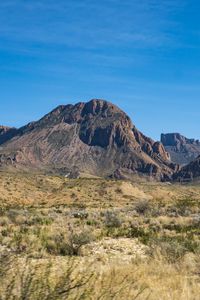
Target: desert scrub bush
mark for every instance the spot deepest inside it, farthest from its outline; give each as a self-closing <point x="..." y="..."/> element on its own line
<point x="196" y="220"/>
<point x="155" y="225"/>
<point x="39" y="220"/>
<point x="92" y="222"/>
<point x="64" y="244"/>
<point x="183" y="228"/>
<point x="185" y="206"/>
<point x="4" y="221"/>
<point x="142" y="207"/>
<point x="80" y="214"/>
<point x="112" y="220"/>
<point x="77" y="240"/>
<point x="144" y="235"/>
<point x="186" y="202"/>
<point x="2" y="210"/>
<point x="173" y="248"/>
<point x="7" y="231"/>
<point x="13" y="214"/>
<point x="57" y="245"/>
<point x="25" y="241"/>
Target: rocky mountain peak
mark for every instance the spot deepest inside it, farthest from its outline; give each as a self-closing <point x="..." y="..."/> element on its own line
<point x="182" y="150"/>
<point x="176" y="139"/>
<point x="98" y="106"/>
<point x="95" y="137"/>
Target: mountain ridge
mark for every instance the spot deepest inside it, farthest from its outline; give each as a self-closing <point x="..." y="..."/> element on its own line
<point x="96" y="136"/>
<point x="6" y="133"/>
<point x="189" y="172"/>
<point x="181" y="149"/>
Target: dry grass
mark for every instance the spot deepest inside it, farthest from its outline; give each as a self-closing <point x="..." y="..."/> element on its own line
<point x="98" y="239"/>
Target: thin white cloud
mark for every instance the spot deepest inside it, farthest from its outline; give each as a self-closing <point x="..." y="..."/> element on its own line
<point x="88" y="24"/>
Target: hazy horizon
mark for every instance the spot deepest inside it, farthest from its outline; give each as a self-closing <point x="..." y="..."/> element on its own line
<point x="141" y="55"/>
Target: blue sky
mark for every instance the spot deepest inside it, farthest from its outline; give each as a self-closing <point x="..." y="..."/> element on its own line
<point x="143" y="55"/>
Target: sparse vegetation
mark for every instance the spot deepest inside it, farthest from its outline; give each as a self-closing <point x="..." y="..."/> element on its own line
<point x="114" y="240"/>
<point x="112" y="220"/>
<point x="142" y="206"/>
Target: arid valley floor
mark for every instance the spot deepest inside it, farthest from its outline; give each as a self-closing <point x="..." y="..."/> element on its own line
<point x="91" y="238"/>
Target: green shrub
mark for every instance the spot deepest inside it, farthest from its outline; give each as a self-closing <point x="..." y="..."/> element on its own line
<point x="60" y="244"/>
<point x="112" y="220"/>
<point x="142" y="207"/>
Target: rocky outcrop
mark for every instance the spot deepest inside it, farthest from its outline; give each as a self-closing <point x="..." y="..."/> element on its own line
<point x="95" y="137"/>
<point x="6" y="133"/>
<point x="189" y="172"/>
<point x="181" y="149"/>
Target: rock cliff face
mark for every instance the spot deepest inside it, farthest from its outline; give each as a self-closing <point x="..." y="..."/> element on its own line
<point x="181" y="149"/>
<point x="95" y="137"/>
<point x="189" y="172"/>
<point x="6" y="133"/>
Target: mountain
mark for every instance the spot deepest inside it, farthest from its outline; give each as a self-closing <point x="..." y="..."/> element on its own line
<point x="189" y="172"/>
<point x="94" y="137"/>
<point x="181" y="149"/>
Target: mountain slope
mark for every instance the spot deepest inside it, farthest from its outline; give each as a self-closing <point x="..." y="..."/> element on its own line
<point x="6" y="133"/>
<point x="181" y="149"/>
<point x="95" y="137"/>
<point x="189" y="172"/>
